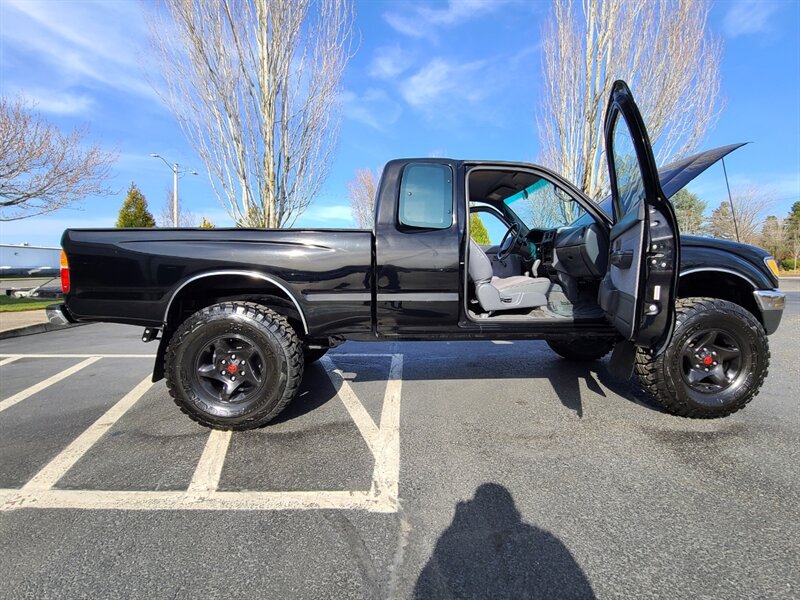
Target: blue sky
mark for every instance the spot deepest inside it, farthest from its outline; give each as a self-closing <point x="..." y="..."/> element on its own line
<point x="455" y="78"/>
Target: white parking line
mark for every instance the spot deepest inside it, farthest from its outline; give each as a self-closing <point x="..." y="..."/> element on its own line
<point x="209" y="469"/>
<point x="57" y="468"/>
<point x="20" y="396"/>
<point x="369" y="431"/>
<point x="9" y="360"/>
<point x="201" y="494"/>
<point x="175" y="500"/>
<point x="17" y="356"/>
<point x="386" y="476"/>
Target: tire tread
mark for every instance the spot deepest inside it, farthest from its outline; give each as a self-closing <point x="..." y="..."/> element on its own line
<point x="277" y="324"/>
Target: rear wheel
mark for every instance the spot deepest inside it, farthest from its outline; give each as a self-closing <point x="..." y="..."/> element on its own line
<point x="715" y="364"/>
<point x="234" y="365"/>
<point x="581" y="350"/>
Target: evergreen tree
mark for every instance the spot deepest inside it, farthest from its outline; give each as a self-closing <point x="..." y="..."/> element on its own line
<point x="134" y="211"/>
<point x="793" y="234"/>
<point x="690" y="211"/>
<point x="477" y="230"/>
<point x="721" y="223"/>
<point x="773" y="237"/>
<point x="206" y="224"/>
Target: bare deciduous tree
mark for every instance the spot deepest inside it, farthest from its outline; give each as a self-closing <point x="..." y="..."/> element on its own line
<point x="750" y="204"/>
<point x="254" y="85"/>
<point x="361" y="191"/>
<point x="662" y="49"/>
<point x="165" y="217"/>
<point x="43" y="169"/>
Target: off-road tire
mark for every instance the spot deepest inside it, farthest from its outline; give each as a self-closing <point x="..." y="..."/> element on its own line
<point x="312" y="355"/>
<point x="280" y="351"/>
<point x="582" y="350"/>
<point x="662" y="378"/>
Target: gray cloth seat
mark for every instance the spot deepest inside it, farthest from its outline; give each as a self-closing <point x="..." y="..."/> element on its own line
<point x="504" y="293"/>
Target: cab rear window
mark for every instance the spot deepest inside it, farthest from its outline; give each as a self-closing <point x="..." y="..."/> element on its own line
<point x="426" y="196"/>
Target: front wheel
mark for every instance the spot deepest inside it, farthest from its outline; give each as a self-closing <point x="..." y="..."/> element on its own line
<point x="234" y="365"/>
<point x="715" y="364"/>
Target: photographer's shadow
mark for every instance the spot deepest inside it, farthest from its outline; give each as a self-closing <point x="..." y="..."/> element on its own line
<point x="489" y="552"/>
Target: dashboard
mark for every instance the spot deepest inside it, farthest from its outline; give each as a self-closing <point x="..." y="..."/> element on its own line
<point x="580" y="251"/>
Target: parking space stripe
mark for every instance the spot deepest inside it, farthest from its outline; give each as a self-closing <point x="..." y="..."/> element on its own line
<point x="174" y="500"/>
<point x="17" y="356"/>
<point x="386" y="476"/>
<point x="20" y="396"/>
<point x="57" y="468"/>
<point x="383" y="441"/>
<point x="366" y="426"/>
<point x="209" y="469"/>
<point x="9" y="360"/>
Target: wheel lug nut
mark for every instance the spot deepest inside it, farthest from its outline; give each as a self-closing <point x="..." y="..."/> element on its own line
<point x="233" y="356"/>
<point x="223" y="361"/>
<point x="233" y="378"/>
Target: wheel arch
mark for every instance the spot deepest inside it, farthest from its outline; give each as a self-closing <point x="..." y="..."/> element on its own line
<point x="205" y="289"/>
<point x="215" y="286"/>
<point x="719" y="283"/>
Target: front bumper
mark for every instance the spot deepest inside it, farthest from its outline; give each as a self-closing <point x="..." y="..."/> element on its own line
<point x="57" y="314"/>
<point x="771" y="303"/>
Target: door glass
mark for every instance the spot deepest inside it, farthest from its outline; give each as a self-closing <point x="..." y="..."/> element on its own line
<point x="630" y="186"/>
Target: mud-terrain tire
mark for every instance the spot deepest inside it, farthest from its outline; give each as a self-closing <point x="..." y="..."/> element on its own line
<point x="582" y="350"/>
<point x="312" y="355"/>
<point x="714" y="365"/>
<point x="222" y="342"/>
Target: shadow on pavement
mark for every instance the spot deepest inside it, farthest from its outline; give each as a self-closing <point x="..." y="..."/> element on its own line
<point x="489" y="552"/>
<point x="564" y="375"/>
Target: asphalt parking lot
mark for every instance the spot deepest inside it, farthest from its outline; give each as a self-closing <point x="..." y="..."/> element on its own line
<point x="407" y="470"/>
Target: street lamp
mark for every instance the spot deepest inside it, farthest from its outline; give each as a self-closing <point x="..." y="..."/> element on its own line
<point x="176" y="173"/>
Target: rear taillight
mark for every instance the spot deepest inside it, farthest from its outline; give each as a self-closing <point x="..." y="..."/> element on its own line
<point x="64" y="272"/>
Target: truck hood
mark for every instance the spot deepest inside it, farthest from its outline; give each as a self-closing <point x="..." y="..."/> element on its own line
<point x="677" y="175"/>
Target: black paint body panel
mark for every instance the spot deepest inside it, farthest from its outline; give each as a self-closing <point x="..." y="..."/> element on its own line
<point x="352" y="284"/>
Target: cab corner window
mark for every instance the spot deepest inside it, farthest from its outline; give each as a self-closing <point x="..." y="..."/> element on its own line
<point x="426" y="196"/>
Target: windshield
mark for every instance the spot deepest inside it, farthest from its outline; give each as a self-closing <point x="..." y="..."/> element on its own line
<point x="543" y="205"/>
<point x="587" y="219"/>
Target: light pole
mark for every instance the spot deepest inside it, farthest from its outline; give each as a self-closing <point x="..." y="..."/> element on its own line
<point x="176" y="173"/>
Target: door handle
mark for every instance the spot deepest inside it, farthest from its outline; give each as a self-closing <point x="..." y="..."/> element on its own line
<point x="622" y="259"/>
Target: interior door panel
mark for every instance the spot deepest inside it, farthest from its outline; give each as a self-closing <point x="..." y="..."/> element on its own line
<point x="638" y="291"/>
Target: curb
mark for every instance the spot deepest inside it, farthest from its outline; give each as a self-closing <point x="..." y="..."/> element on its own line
<point x="33" y="329"/>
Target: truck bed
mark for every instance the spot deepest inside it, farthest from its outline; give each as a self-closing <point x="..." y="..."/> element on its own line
<point x="131" y="275"/>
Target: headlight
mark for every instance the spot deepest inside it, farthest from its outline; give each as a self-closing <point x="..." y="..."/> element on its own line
<point x="773" y="266"/>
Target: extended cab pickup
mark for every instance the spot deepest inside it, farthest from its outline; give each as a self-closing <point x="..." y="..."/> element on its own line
<point x="238" y="312"/>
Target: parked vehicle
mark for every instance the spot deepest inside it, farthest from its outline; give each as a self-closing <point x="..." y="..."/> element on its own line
<point x="240" y="311"/>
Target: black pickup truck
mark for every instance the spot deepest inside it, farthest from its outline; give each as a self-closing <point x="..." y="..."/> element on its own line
<point x="238" y="312"/>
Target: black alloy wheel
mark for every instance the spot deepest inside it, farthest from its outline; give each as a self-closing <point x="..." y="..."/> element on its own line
<point x="234" y="365"/>
<point x="715" y="364"/>
<point x="714" y="360"/>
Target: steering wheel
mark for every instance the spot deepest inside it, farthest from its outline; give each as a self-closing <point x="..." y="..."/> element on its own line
<point x="510" y="240"/>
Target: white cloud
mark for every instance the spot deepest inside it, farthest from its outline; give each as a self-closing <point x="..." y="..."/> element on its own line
<point x="389" y="62"/>
<point x="64" y="103"/>
<point x="748" y="16"/>
<point x="85" y="44"/>
<point x="373" y="108"/>
<point x="422" y="21"/>
<point x="442" y="84"/>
